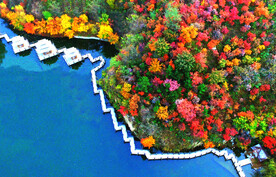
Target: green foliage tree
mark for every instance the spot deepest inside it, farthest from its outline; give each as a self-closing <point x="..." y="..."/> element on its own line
<point x="143" y="84"/>
<point x="3" y="51"/>
<point x="104" y="18"/>
<point x="217" y="76"/>
<point x="162" y="47"/>
<point x="170" y="35"/>
<point x="111" y="3"/>
<point x="174" y="74"/>
<point x="202" y="88"/>
<point x="185" y="62"/>
<point x="55" y="8"/>
<point x="46" y="14"/>
<point x="173" y="16"/>
<point x="269" y="169"/>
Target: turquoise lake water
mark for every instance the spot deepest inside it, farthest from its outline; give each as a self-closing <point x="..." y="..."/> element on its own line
<point x="51" y="123"/>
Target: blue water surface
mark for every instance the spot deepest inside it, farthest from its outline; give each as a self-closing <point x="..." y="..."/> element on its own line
<point x="51" y="124"/>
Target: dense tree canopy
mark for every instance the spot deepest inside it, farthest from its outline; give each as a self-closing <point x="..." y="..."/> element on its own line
<point x="204" y="72"/>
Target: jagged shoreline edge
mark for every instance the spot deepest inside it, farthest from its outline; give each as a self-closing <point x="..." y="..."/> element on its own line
<point x="146" y="153"/>
<point x="237" y="164"/>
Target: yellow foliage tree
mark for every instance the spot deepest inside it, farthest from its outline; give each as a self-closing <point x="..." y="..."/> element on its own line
<point x="84" y="18"/>
<point x="11" y="15"/>
<point x="188" y="33"/>
<point x="3" y="9"/>
<point x="126" y="87"/>
<point x="79" y="25"/>
<point x="162" y="113"/>
<point x="65" y="22"/>
<point x="105" y="31"/>
<point x="18" y="8"/>
<point x="69" y="33"/>
<point x="3" y="5"/>
<point x="16" y="20"/>
<point x="111" y="3"/>
<point x="29" y="18"/>
<point x="155" y="66"/>
<point x="209" y="144"/>
<point x="125" y="91"/>
<point x="83" y="28"/>
<point x="133" y="102"/>
<point x="75" y="24"/>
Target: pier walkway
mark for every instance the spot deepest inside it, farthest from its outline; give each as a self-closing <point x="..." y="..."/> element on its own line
<point x="71" y="54"/>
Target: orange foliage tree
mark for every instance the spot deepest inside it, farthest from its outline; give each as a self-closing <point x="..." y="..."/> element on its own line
<point x="29" y="28"/>
<point x="56" y="26"/>
<point x="148" y="142"/>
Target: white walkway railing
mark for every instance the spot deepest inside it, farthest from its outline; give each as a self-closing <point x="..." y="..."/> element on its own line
<point x="238" y="164"/>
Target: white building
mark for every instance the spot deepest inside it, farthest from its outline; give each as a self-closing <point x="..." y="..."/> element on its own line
<point x="45" y="49"/>
<point x="20" y="44"/>
<point x="72" y="56"/>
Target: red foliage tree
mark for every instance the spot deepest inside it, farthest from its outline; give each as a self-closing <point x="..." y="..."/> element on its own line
<point x="270" y="143"/>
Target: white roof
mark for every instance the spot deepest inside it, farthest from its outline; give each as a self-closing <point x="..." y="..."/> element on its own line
<point x="44" y="42"/>
<point x="71" y="52"/>
<point x="18" y="40"/>
<point x="45" y="49"/>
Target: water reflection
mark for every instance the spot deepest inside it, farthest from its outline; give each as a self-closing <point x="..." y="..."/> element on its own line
<point x="25" y="53"/>
<point x="3" y="51"/>
<point x="76" y="66"/>
<point x="50" y="61"/>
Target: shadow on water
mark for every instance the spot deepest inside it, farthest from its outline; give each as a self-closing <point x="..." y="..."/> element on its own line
<point x="3" y="51"/>
<point x="51" y="60"/>
<point x="25" y="53"/>
<point x="76" y="66"/>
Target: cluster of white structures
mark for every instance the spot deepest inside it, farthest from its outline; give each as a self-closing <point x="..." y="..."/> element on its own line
<point x="46" y="49"/>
